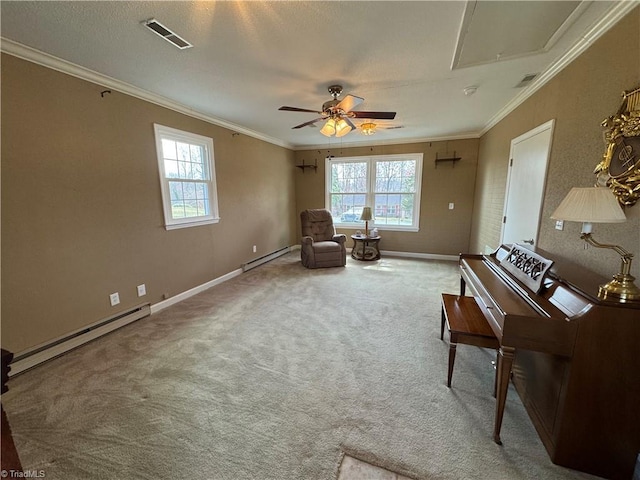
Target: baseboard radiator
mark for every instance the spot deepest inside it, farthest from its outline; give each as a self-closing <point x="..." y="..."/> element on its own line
<point x="41" y="353"/>
<point x="264" y="259"/>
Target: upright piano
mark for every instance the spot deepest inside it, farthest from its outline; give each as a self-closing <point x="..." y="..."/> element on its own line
<point x="574" y="358"/>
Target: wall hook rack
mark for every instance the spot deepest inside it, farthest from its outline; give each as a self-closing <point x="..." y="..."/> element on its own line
<point x="453" y="159"/>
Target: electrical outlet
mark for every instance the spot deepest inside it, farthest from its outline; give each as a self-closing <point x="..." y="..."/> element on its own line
<point x="255" y="249"/>
<point x="142" y="290"/>
<point x="114" y="298"/>
<point x="559" y="224"/>
<point x="451" y="205"/>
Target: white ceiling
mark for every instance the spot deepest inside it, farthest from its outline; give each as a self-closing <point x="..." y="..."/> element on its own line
<point x="250" y="58"/>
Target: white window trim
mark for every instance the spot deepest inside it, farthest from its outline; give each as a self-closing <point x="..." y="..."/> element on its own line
<point x="161" y="132"/>
<point x="371" y="159"/>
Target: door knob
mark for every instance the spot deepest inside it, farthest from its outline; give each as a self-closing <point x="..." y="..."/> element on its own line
<point x="530" y="242"/>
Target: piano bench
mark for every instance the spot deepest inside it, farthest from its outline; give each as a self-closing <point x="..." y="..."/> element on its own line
<point x="466" y="324"/>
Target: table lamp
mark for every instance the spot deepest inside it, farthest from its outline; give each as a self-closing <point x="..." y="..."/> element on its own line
<point x="366" y="216"/>
<point x="599" y="205"/>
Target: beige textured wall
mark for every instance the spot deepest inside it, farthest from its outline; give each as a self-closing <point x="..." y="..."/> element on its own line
<point x="442" y="231"/>
<point x="578" y="98"/>
<point x="81" y="205"/>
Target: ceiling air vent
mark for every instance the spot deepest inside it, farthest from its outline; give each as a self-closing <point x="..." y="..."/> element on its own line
<point x="526" y="80"/>
<point x="167" y="34"/>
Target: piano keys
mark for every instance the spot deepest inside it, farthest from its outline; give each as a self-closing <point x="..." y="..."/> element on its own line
<point x="574" y="359"/>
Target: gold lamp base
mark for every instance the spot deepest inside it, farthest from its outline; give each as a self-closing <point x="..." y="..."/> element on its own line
<point x="620" y="289"/>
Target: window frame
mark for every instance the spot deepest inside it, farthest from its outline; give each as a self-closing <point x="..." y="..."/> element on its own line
<point x="163" y="132"/>
<point x="371" y="161"/>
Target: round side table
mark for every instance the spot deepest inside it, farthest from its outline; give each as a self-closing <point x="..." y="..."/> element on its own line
<point x="365" y="248"/>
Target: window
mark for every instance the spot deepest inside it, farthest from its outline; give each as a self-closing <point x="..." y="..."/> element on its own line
<point x="388" y="183"/>
<point x="187" y="178"/>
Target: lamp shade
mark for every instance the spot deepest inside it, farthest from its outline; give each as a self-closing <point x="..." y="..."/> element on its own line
<point x="329" y="128"/>
<point x="590" y="205"/>
<point x="342" y="128"/>
<point x="366" y="214"/>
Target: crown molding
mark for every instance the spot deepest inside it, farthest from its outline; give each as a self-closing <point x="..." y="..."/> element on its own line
<point x="381" y="143"/>
<point x="36" y="56"/>
<point x="615" y="14"/>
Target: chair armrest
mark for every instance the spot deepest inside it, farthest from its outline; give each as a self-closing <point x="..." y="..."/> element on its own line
<point x="307" y="240"/>
<point x="340" y="238"/>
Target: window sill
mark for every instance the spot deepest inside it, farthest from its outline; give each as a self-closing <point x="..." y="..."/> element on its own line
<point x="175" y="226"/>
<point x="385" y="228"/>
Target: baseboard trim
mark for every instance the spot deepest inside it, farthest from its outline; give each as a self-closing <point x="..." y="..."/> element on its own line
<point x="391" y="253"/>
<point x="265" y="258"/>
<point x="33" y="357"/>
<point x="421" y="256"/>
<point x="156" y="307"/>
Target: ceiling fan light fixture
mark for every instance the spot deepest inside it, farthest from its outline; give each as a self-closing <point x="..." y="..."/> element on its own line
<point x="329" y="128"/>
<point x="342" y="128"/>
<point x="337" y="114"/>
<point x="368" y="128"/>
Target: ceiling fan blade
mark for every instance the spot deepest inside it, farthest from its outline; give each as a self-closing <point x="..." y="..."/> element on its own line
<point x="350" y="123"/>
<point x="307" y="123"/>
<point x="374" y="115"/>
<point x="349" y="102"/>
<point x="296" y="109"/>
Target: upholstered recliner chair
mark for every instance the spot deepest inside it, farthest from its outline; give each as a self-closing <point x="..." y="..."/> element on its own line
<point x="321" y="246"/>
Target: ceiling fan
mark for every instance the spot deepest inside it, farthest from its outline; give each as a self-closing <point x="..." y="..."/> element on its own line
<point x="338" y="113"/>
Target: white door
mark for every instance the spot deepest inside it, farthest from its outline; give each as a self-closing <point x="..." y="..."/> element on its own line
<point x="529" y="157"/>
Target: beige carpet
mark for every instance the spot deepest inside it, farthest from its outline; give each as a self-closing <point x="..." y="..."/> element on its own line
<point x="277" y="374"/>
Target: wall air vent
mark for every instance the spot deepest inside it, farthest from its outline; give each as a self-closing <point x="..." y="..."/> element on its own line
<point x="168" y="35"/>
<point x="526" y="80"/>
